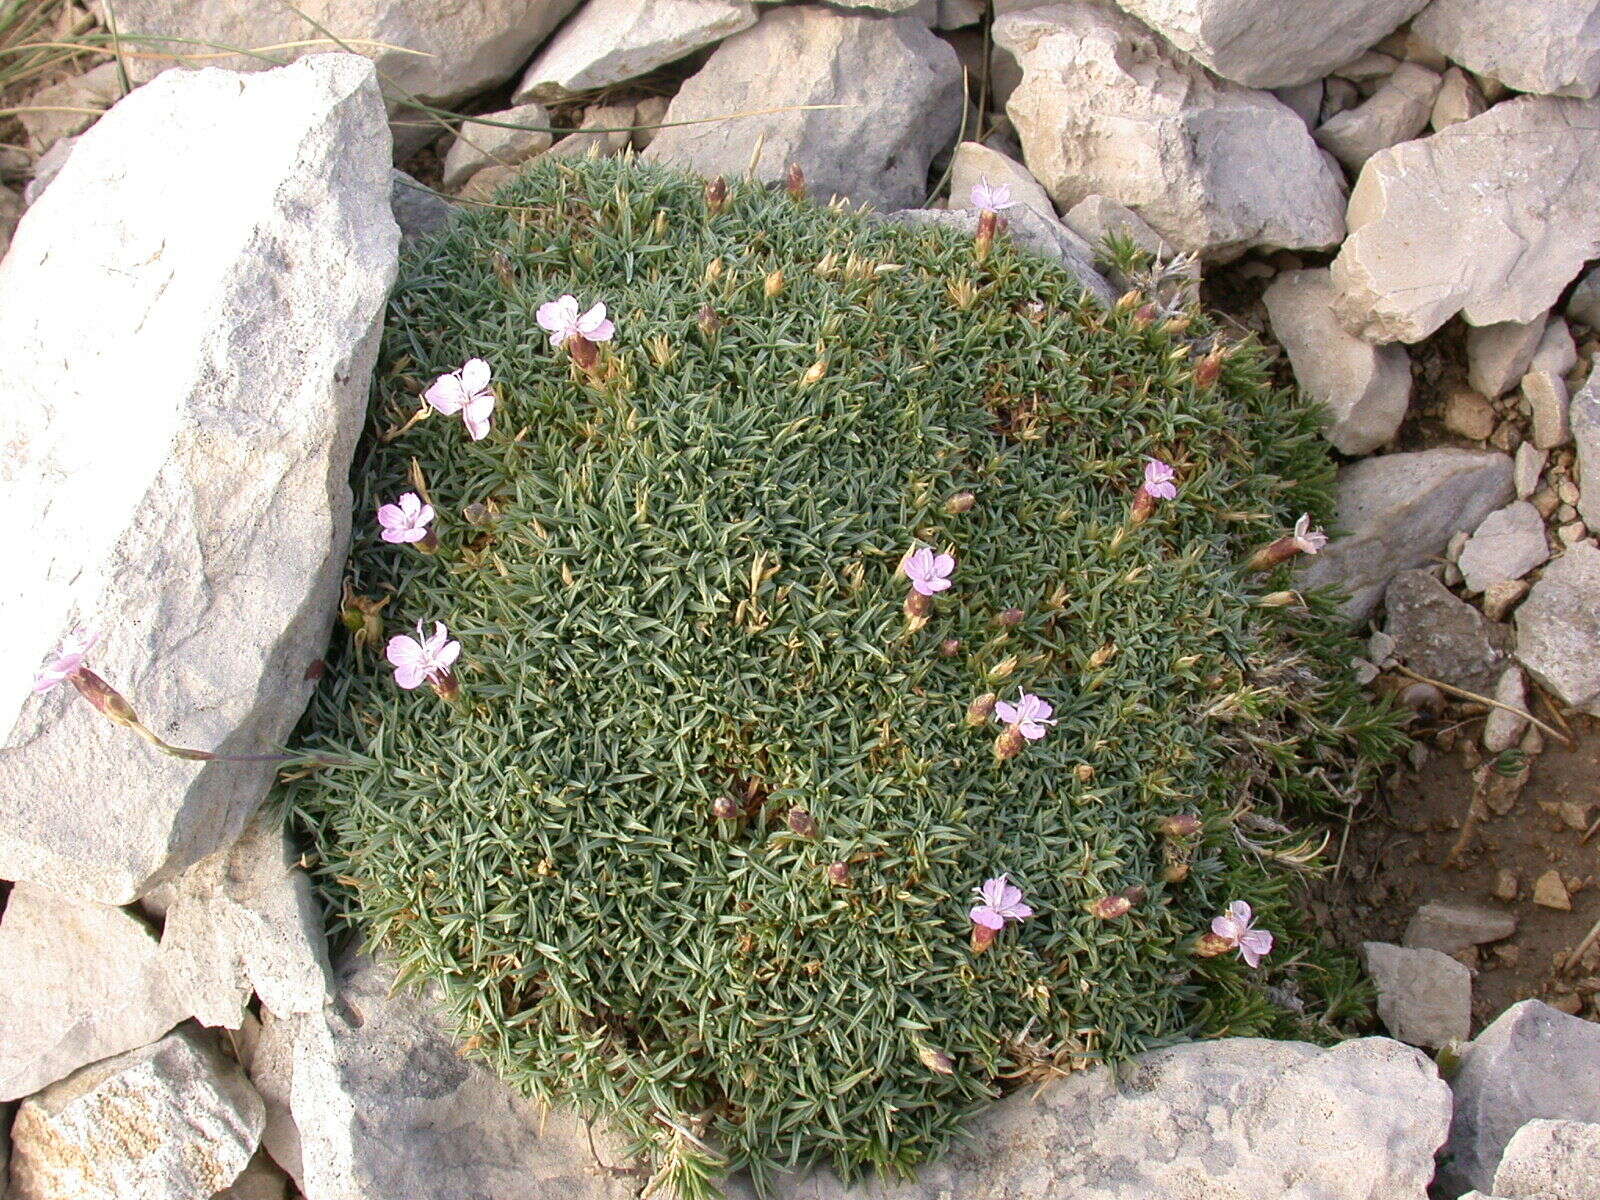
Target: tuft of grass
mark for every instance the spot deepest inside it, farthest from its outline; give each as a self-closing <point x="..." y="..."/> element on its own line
<point x="674" y="581"/>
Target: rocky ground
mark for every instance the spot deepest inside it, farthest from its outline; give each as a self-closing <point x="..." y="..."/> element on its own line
<point x="1398" y="194"/>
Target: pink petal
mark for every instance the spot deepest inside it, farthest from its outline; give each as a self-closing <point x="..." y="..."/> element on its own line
<point x="1226" y="928"/>
<point x="558" y="317"/>
<point x="1031" y="731"/>
<point x="1257" y="942"/>
<point x="1240" y="911"/>
<point x="410" y="676"/>
<point x="404" y="651"/>
<point x="593" y="324"/>
<point x="1019" y="911"/>
<point x="1009" y="895"/>
<point x="1007" y="713"/>
<point x="987" y="917"/>
<point x="447" y="655"/>
<point x="445" y="395"/>
<point x="475" y="375"/>
<point x="944" y="564"/>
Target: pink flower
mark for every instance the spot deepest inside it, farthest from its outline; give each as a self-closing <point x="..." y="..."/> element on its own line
<point x="68" y="659"/>
<point x="466" y="392"/>
<point x="929" y="572"/>
<point x="990" y="197"/>
<point x="1002" y="902"/>
<point x="1306" y="539"/>
<point x="406" y="521"/>
<point x="1234" y="927"/>
<point x="422" y="659"/>
<point x="560" y="318"/>
<point x="1158" y="477"/>
<point x="1028" y="716"/>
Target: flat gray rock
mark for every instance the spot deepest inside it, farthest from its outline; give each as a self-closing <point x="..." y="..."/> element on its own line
<point x="1499" y="355"/>
<point x="1399" y="511"/>
<point x="1436" y="633"/>
<point x="178" y="481"/>
<point x="480" y="145"/>
<point x="1424" y="997"/>
<point x="1551" y="1158"/>
<point x="1507" y="545"/>
<point x="899" y="87"/>
<point x="1551" y="47"/>
<point x="1583" y="415"/>
<point x="1532" y="1062"/>
<point x="1397" y="112"/>
<point x="1558" y="628"/>
<point x="1451" y="926"/>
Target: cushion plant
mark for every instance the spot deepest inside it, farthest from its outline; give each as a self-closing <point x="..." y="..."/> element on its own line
<point x="825" y="577"/>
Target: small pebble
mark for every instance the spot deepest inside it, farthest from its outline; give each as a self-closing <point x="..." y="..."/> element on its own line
<point x="1550" y="892"/>
<point x="1505" y="886"/>
<point x="1572" y="533"/>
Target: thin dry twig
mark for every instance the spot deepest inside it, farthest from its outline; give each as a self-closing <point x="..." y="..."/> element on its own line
<point x="1565" y="739"/>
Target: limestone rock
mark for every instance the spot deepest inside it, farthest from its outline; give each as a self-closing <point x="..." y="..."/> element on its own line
<point x="1255" y="42"/>
<point x="1106" y="107"/>
<point x="1551" y="47"/>
<point x="612" y="41"/>
<point x="69" y="107"/>
<point x="1551" y="1158"/>
<point x="387" y="1107"/>
<point x="1453" y="926"/>
<point x="1503" y="729"/>
<point x="81" y="982"/>
<point x="479" y="145"/>
<point x="1558" y="628"/>
<point x="1545" y="398"/>
<point x="1532" y="1062"/>
<point x="605" y="130"/>
<point x="418" y="210"/>
<point x="648" y="115"/>
<point x="1499" y="355"/>
<point x="1364" y="388"/>
<point x="172" y="1121"/>
<point x="1584" y="417"/>
<point x="440" y="53"/>
<point x="1584" y="303"/>
<point x="244" y="920"/>
<point x="1508" y="545"/>
<point x="46" y="169"/>
<point x="1399" y="511"/>
<point x="262" y="1179"/>
<point x="1049" y="239"/>
<point x="1424" y="997"/>
<point x="1305" y="99"/>
<point x="900" y="86"/>
<point x="1557" y="353"/>
<point x="974" y="163"/>
<point x="1490" y="218"/>
<point x="1238" y="1117"/>
<point x="1459" y="99"/>
<point x="1550" y="891"/>
<point x="233" y="239"/>
<point x="1468" y="414"/>
<point x="1398" y="111"/>
<point x="1437" y="634"/>
<point x="1529" y="466"/>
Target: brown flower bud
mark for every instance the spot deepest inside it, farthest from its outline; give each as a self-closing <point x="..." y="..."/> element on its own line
<point x="1176" y="871"/>
<point x="1209" y="368"/>
<point x="936" y="1060"/>
<point x="584" y="352"/>
<point x="1145" y="316"/>
<point x="724" y="808"/>
<point x="716" y="194"/>
<point x="773" y="284"/>
<point x="981" y="709"/>
<point x="1109" y="908"/>
<point x="445" y="686"/>
<point x="1084" y="772"/>
<point x="988" y="223"/>
<point x="801" y="822"/>
<point x="1209" y="945"/>
<point x="710" y="324"/>
<point x="502" y="270"/>
<point x="1008" y="744"/>
<point x="1128" y="299"/>
<point x="1009" y="618"/>
<point x="1144" y="506"/>
<point x="105" y="698"/>
<point x="961" y="502"/>
<point x="917" y="605"/>
<point x="1180" y="825"/>
<point x="795" y="182"/>
<point x="1271" y="555"/>
<point x="982" y="937"/>
<point x="839" y="873"/>
<point x="950" y="647"/>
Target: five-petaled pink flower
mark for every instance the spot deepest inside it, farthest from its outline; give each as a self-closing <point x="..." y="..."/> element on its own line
<point x="1002" y="902"/>
<point x="67" y="660"/>
<point x="422" y="659"/>
<point x="1306" y="539"/>
<point x="1158" y="480"/>
<point x="928" y="572"/>
<point x="466" y="392"/>
<point x="990" y="197"/>
<point x="1234" y="927"/>
<point x="561" y="319"/>
<point x="406" y="521"/>
<point x="1028" y="716"/>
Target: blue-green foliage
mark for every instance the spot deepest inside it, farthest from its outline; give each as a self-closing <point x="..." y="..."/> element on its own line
<point x="683" y="588"/>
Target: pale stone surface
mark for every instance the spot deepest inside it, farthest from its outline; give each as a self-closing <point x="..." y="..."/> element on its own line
<point x="10" y="214"/>
<point x="1424" y="997"/>
<point x="900" y="86"/>
<point x="232" y="237"/>
<point x="386" y="1107"/>
<point x="612" y="41"/>
<point x="80" y="982"/>
<point x="1490" y="218"/>
<point x="244" y="920"/>
<point x="1584" y="303"/>
<point x="479" y="145"/>
<point x="1498" y="356"/>
<point x="1459" y="99"/>
<point x="1502" y="728"/>
<point x="973" y="163"/>
<point x="1532" y="1062"/>
<point x="69" y="107"/>
<point x="262" y="1179"/>
<point x="1469" y="414"/>
<point x="172" y="1121"/>
<point x="1106" y="107"/>
<point x="1508" y="545"/>
<point x="1451" y="926"/>
<point x="438" y="52"/>
<point x="1545" y="398"/>
<point x="1436" y="633"/>
<point x="1031" y="232"/>
<point x="46" y="170"/>
<point x="418" y="210"/>
<point x="1259" y="43"/>
<point x="1557" y="353"/>
<point x="1241" y="1118"/>
<point x="1529" y="466"/>
<point x="1558" y="628"/>
<point x="1365" y="388"/>
<point x="1551" y="47"/>
<point x="605" y="130"/>
<point x="1584" y="417"/>
<point x="1399" y="511"/>
<point x="1545" y="1158"/>
<point x="1398" y="111"/>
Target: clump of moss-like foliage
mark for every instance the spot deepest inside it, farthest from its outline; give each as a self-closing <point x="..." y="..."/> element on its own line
<point x="675" y="585"/>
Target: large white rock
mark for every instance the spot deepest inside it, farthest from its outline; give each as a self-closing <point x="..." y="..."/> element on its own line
<point x="1558" y="628"/>
<point x="177" y="480"/>
<point x="1399" y="511"/>
<point x="440" y="52"/>
<point x="1398" y="111"/>
<point x="173" y="1121"/>
<point x="1583" y="414"/>
<point x="387" y="1107"/>
<point x="899" y="86"/>
<point x="1241" y="1118"/>
<point x="1532" y="1062"/>
<point x="1490" y="218"/>
<point x="79" y="982"/>
<point x="1546" y="46"/>
<point x="1365" y="388"/>
<point x="245" y="920"/>
<point x="1106" y="107"/>
<point x="611" y="41"/>
<point x="1559" y="1159"/>
<point x="1263" y="44"/>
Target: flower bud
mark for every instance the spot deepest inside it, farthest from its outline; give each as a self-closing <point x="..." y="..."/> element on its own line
<point x="917" y="605"/>
<point x="1128" y="299"/>
<point x="584" y="352"/>
<point x="1180" y="825"/>
<point x="1008" y="618"/>
<point x="1109" y="908"/>
<point x="950" y="647"/>
<point x="1176" y="871"/>
<point x="1145" y="315"/>
<point x="1271" y="555"/>
<point x="936" y="1060"/>
<point x="814" y="373"/>
<point x="800" y="822"/>
<point x="773" y="284"/>
<point x="839" y="873"/>
<point x="961" y="502"/>
<point x="445" y="686"/>
<point x="105" y="698"/>
<point x="988" y="223"/>
<point x="716" y="194"/>
<point x="708" y="321"/>
<point x="1008" y="744"/>
<point x="795" y="183"/>
<point x="1209" y="945"/>
<point x="725" y="808"/>
<point x="981" y="709"/>
<point x="1084" y="772"/>
<point x="1209" y="369"/>
<point x="982" y="937"/>
<point x="502" y="270"/>
<point x="1144" y="507"/>
<point x="1278" y="599"/>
